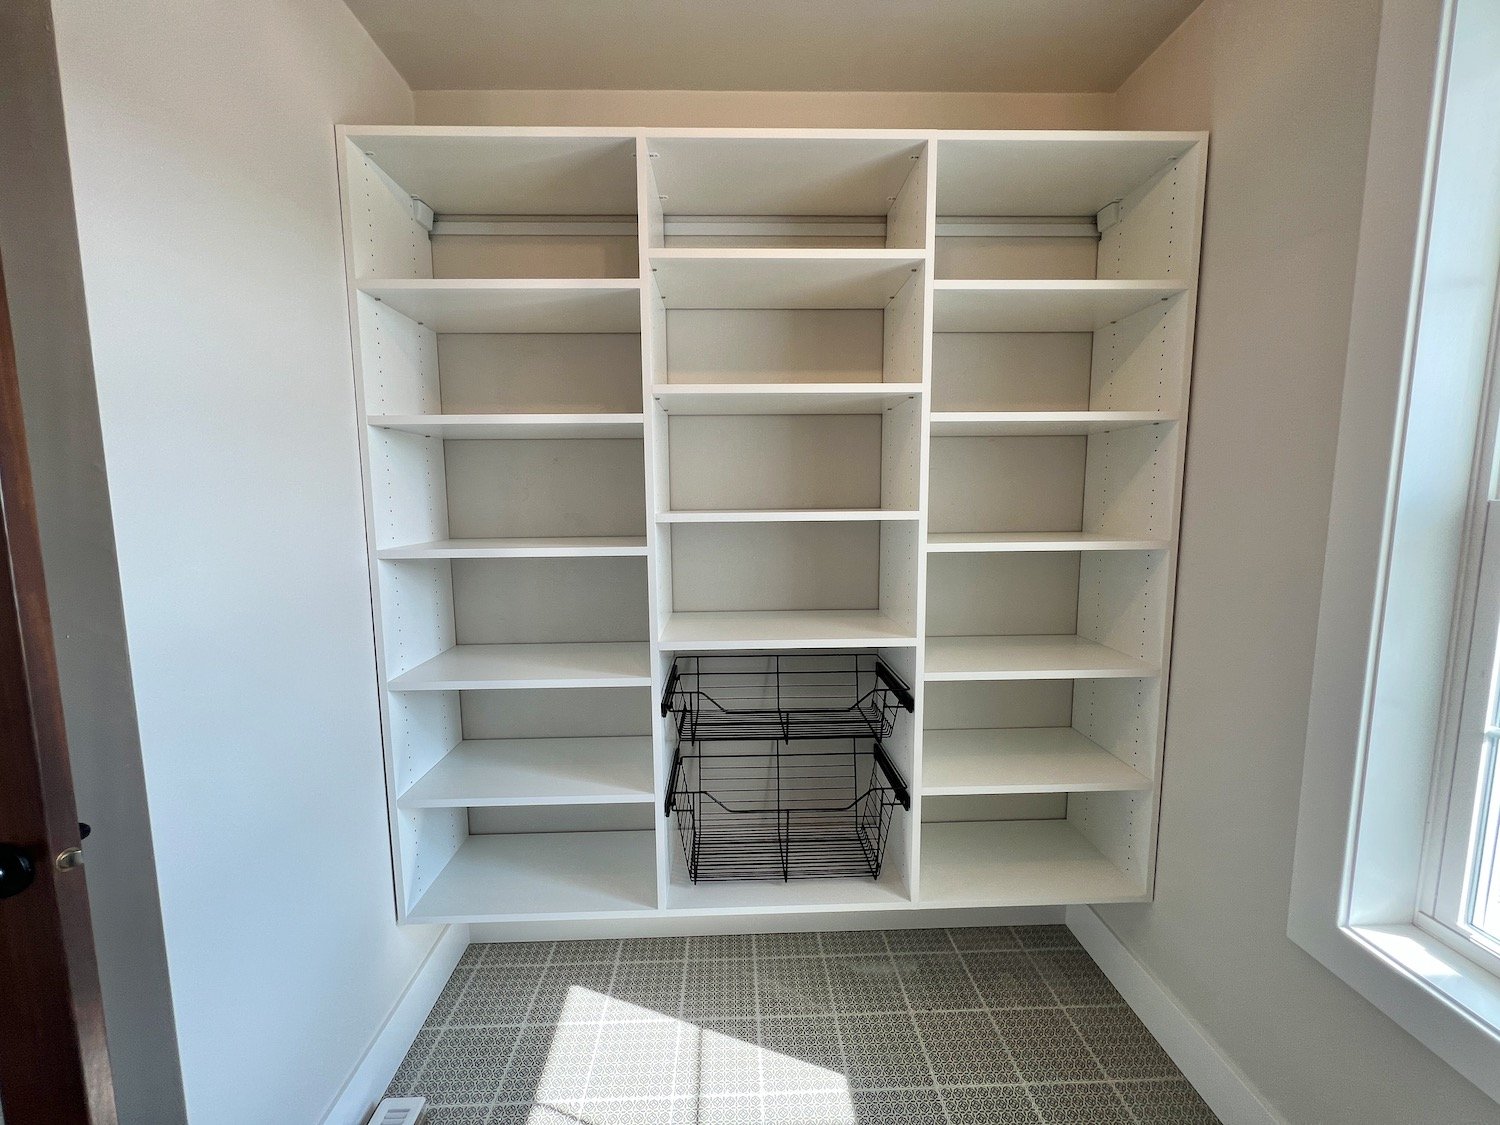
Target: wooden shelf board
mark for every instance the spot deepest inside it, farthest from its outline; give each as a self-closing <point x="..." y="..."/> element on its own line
<point x="513" y="305"/>
<point x="1028" y="658"/>
<point x="1021" y="760"/>
<point x="1043" y="306"/>
<point x="782" y="398"/>
<point x="1017" y="863"/>
<point x="982" y="541"/>
<point x="492" y="426"/>
<point x="795" y="896"/>
<point x="783" y="629"/>
<point x="562" y="548"/>
<point x="789" y="515"/>
<point x="541" y="875"/>
<point x="1003" y="423"/>
<point x="537" y="771"/>
<point x="480" y="667"/>
<point x="782" y="279"/>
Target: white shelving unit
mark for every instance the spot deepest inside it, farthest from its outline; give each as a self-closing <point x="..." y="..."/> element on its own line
<point x="626" y="394"/>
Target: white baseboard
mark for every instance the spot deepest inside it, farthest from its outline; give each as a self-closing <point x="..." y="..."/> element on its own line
<point x="1218" y="1081"/>
<point x="363" y="1088"/>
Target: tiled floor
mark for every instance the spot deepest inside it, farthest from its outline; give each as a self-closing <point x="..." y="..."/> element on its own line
<point x="987" y="1026"/>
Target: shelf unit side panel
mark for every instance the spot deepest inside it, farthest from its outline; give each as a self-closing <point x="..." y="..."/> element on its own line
<point x="901" y="847"/>
<point x="906" y="225"/>
<point x="901" y="433"/>
<point x="1121" y="598"/>
<point x="1121" y="826"/>
<point x="1137" y="361"/>
<point x="1154" y="236"/>
<point x="398" y="361"/>
<point x="388" y="241"/>
<point x="416" y="609"/>
<point x="430" y="838"/>
<point x="1122" y="716"/>
<point x="424" y="726"/>
<point x="900" y="564"/>
<point x="408" y="488"/>
<point x="1130" y="482"/>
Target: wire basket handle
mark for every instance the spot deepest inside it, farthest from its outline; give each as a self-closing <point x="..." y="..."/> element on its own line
<point x="896" y="685"/>
<point x="898" y="785"/>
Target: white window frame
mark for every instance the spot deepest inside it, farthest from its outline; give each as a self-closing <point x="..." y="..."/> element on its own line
<point x="1383" y="792"/>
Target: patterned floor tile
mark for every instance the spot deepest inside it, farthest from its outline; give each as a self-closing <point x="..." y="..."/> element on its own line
<point x="933" y="982"/>
<point x="842" y="1028"/>
<point x="898" y="1107"/>
<point x="642" y="987"/>
<point x="719" y="988"/>
<point x="885" y="1052"/>
<point x="516" y="952"/>
<point x="1045" y="937"/>
<point x="918" y="941"/>
<point x="582" y="952"/>
<point x="1045" y="1046"/>
<point x="866" y="984"/>
<point x="787" y="945"/>
<point x="467" y="1065"/>
<point x="653" y="949"/>
<point x="1166" y="1103"/>
<point x="1121" y="1043"/>
<point x="1093" y="1103"/>
<point x="993" y="1105"/>
<point x="801" y="1053"/>
<point x="791" y="986"/>
<point x="984" y="937"/>
<point x="719" y="946"/>
<point x="1073" y="976"/>
<point x="965" y="1049"/>
<point x="1009" y="980"/>
<point x="843" y="943"/>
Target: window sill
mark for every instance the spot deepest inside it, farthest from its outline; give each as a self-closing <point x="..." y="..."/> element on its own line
<point x="1445" y="1001"/>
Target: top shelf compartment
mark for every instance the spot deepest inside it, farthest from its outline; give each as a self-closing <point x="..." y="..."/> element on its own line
<point x="787" y="192"/>
<point x="1044" y="206"/>
<point x="472" y="206"/>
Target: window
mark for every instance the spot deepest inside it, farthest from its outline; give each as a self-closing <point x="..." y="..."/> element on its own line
<point x="1461" y="900"/>
<point x="1396" y="887"/>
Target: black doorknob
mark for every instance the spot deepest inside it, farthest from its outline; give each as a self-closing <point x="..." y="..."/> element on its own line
<point x="17" y="872"/>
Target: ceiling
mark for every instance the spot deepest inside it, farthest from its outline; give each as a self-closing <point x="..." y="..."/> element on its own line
<point x="928" y="45"/>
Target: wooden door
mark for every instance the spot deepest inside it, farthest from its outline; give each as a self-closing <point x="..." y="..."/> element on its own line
<point x="54" y="1063"/>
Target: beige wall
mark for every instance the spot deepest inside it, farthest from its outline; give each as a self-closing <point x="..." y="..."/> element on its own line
<point x="687" y="108"/>
<point x="1286" y="88"/>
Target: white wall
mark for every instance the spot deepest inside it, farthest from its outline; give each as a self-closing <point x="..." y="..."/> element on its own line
<point x="202" y="152"/>
<point x="1286" y="89"/>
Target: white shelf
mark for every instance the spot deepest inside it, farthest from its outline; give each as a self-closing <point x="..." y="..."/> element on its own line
<point x="782" y="398"/>
<point x="536" y="771"/>
<point x="492" y="426"/>
<point x="541" y="875"/>
<point x="1028" y="658"/>
<point x="793" y="897"/>
<point x="789" y="515"/>
<point x="991" y="542"/>
<point x="575" y="547"/>
<point x="478" y="667"/>
<point x="1004" y="423"/>
<point x="1017" y="862"/>
<point x="782" y="279"/>
<point x="1048" y="173"/>
<point x="783" y="629"/>
<point x="505" y="305"/>
<point x="1042" y="306"/>
<point x="1021" y="760"/>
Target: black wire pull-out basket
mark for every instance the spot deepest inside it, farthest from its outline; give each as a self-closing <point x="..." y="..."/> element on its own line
<point x="784" y="697"/>
<point x="784" y="810"/>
